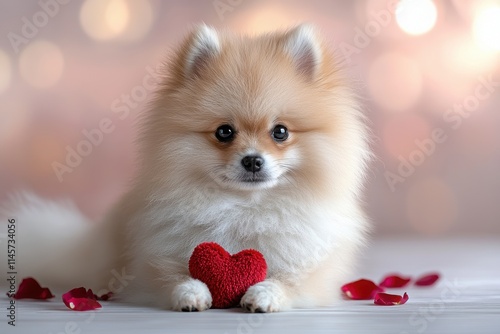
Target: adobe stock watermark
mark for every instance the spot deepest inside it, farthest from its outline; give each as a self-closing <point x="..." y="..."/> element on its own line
<point x="454" y="118"/>
<point x="74" y="327"/>
<point x="225" y="6"/>
<point x="121" y="107"/>
<point x="250" y="323"/>
<point x="32" y="25"/>
<point x="372" y="29"/>
<point x="119" y="280"/>
<point x="11" y="269"/>
<point x="420" y="320"/>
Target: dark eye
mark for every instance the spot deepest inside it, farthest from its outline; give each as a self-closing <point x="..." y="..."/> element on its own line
<point x="225" y="133"/>
<point x="279" y="133"/>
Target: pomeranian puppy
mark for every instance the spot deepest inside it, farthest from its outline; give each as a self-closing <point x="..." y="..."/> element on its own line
<point x="251" y="142"/>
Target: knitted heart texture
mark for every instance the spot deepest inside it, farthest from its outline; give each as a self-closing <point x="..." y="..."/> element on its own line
<point x="227" y="276"/>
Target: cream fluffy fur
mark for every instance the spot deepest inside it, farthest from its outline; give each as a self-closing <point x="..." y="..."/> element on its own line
<point x="304" y="217"/>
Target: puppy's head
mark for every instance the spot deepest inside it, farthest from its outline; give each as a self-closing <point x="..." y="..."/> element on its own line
<point x="251" y="114"/>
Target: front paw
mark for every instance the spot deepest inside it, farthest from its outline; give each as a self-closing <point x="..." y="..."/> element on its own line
<point x="191" y="296"/>
<point x="266" y="296"/>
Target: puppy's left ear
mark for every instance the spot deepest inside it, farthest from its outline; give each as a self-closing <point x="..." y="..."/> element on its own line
<point x="204" y="46"/>
<point x="302" y="45"/>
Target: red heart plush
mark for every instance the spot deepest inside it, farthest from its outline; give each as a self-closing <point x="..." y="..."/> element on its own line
<point x="227" y="276"/>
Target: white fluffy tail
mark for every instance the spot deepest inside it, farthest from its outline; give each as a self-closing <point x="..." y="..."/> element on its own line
<point x="55" y="243"/>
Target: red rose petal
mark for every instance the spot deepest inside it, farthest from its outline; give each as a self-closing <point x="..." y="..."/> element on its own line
<point x="30" y="288"/>
<point x="394" y="281"/>
<point x="81" y="292"/>
<point x="427" y="280"/>
<point x="361" y="289"/>
<point x="104" y="297"/>
<point x="386" y="299"/>
<point x="82" y="304"/>
<point x="80" y="299"/>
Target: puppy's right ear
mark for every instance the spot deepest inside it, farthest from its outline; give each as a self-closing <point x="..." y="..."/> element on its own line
<point x="203" y="46"/>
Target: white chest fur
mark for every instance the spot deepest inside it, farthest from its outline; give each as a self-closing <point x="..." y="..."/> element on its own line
<point x="292" y="234"/>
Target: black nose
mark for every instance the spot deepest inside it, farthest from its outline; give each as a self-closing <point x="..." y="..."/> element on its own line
<point x="252" y="163"/>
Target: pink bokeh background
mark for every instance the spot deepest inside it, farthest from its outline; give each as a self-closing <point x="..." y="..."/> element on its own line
<point x="429" y="72"/>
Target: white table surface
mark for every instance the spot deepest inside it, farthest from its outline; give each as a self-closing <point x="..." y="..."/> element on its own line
<point x="466" y="300"/>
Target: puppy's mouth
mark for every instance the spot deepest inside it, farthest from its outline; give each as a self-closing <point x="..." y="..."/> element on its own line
<point x="254" y="178"/>
<point x="250" y="181"/>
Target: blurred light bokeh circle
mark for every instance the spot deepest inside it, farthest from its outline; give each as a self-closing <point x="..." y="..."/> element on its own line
<point x="125" y="20"/>
<point x="103" y="19"/>
<point x="461" y="55"/>
<point x="416" y="17"/>
<point x="486" y="27"/>
<point x="41" y="64"/>
<point x="402" y="134"/>
<point x="264" y="19"/>
<point x="394" y="82"/>
<point x="5" y="71"/>
<point x="14" y="119"/>
<point x="431" y="206"/>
